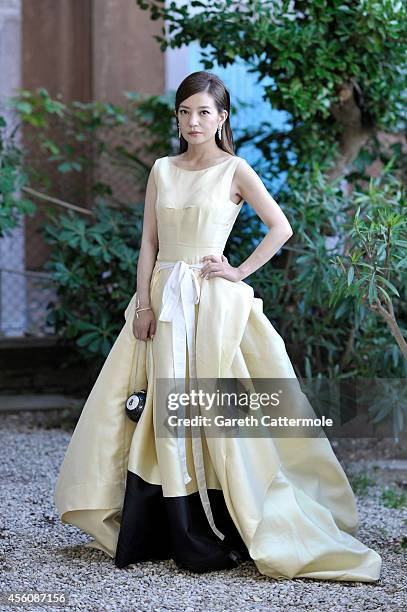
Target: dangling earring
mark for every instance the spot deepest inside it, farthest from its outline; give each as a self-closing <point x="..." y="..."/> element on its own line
<point x="220" y="132"/>
<point x="179" y="132"/>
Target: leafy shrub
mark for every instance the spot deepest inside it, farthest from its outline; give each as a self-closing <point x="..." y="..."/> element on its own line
<point x="94" y="263"/>
<point x="12" y="178"/>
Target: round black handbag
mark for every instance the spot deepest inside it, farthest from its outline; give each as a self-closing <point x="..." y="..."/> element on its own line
<point x="136" y="401"/>
<point x="135" y="404"/>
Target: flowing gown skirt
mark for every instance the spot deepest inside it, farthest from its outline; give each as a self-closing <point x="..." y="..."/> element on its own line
<point x="284" y="503"/>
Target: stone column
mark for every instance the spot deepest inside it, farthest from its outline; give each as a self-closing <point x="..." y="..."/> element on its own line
<point x="13" y="307"/>
<point x="125" y="55"/>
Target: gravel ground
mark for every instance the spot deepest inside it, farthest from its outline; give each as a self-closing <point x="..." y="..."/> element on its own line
<point x="39" y="554"/>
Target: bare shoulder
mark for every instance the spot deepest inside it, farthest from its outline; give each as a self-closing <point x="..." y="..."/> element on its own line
<point x="244" y="171"/>
<point x="243" y="165"/>
<point x="152" y="176"/>
<point x="248" y="183"/>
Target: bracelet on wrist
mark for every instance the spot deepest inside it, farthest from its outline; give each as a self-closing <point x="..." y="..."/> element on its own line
<point x="139" y="307"/>
<point x="138" y="310"/>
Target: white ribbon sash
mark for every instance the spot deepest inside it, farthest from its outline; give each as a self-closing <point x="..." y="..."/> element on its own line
<point x="181" y="293"/>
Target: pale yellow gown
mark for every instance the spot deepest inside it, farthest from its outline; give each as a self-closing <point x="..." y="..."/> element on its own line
<point x="288" y="499"/>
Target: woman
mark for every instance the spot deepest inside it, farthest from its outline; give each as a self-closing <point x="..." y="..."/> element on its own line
<point x="206" y="502"/>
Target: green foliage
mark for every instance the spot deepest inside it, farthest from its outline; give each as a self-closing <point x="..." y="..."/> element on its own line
<point x="12" y="178"/>
<point x="376" y="255"/>
<point x="94" y="264"/>
<point x="96" y="132"/>
<point x="326" y="336"/>
<point x="371" y="272"/>
<point x="361" y="483"/>
<point x="94" y="260"/>
<point x="308" y="52"/>
<point x="394" y="498"/>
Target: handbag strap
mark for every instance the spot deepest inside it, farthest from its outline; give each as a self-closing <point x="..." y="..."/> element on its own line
<point x="134" y="368"/>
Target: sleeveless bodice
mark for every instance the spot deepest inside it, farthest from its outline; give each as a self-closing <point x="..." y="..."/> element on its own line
<point x="195" y="214"/>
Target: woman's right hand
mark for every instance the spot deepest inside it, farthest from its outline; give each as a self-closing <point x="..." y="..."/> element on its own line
<point x="144" y="326"/>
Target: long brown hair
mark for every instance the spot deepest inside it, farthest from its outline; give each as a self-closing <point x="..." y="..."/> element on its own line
<point x="200" y="81"/>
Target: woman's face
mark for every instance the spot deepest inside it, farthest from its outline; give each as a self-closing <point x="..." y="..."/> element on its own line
<point x="199" y="114"/>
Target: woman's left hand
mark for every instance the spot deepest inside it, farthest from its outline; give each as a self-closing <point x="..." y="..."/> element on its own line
<point x="219" y="266"/>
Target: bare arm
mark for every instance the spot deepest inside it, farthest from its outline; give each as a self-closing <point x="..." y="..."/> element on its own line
<point x="149" y="243"/>
<point x="253" y="190"/>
